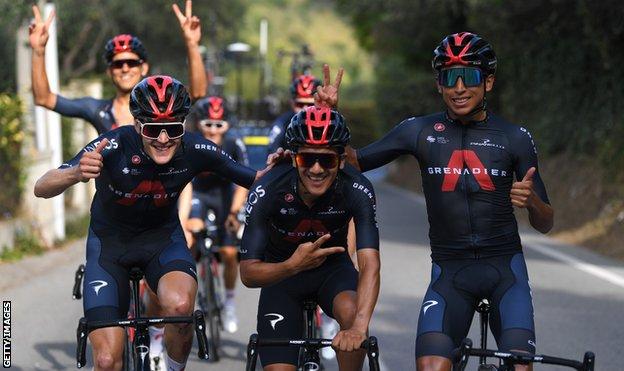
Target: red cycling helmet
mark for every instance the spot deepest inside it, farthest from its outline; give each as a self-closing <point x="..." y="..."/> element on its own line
<point x="211" y="108"/>
<point x="317" y="126"/>
<point x="467" y="49"/>
<point x="303" y="89"/>
<point x="124" y="43"/>
<point x="159" y="99"/>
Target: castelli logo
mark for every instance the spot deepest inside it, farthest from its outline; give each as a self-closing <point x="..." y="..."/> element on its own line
<point x="136" y="159"/>
<point x="289" y="197"/>
<point x="439" y="127"/>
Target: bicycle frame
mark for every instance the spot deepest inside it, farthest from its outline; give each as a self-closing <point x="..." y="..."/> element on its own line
<point x="140" y="343"/>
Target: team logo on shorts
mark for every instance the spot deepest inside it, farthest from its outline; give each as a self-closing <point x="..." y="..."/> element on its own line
<point x="439" y="126"/>
<point x="289" y="197"/>
<point x="136" y="159"/>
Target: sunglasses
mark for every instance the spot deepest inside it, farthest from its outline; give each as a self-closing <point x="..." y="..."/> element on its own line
<point x="470" y="77"/>
<point x="212" y="124"/>
<point x="152" y="130"/>
<point x="308" y="159"/>
<point x="130" y="62"/>
<point x="303" y="105"/>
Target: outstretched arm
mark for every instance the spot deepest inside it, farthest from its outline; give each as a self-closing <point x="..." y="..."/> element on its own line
<point x="38" y="37"/>
<point x="56" y="181"/>
<point x="191" y="30"/>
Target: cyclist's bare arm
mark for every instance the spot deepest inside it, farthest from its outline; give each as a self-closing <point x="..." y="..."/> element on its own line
<point x="38" y="37"/>
<point x="56" y="181"/>
<point x="184" y="208"/>
<point x="191" y="30"/>
<point x="368" y="287"/>
<point x="240" y="196"/>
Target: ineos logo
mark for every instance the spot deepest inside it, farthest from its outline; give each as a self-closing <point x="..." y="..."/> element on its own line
<point x="253" y="198"/>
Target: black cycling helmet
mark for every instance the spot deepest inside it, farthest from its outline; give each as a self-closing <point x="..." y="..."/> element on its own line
<point x="124" y="43"/>
<point x="467" y="49"/>
<point x="317" y="126"/>
<point x="212" y="108"/>
<point x="303" y="88"/>
<point x="159" y="99"/>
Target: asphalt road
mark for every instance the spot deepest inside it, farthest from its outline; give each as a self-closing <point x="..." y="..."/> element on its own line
<point x="578" y="296"/>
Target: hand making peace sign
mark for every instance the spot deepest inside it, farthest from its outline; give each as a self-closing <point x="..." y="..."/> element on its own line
<point x="38" y="30"/>
<point x="190" y="25"/>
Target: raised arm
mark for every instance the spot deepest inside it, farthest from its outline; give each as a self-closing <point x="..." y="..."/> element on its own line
<point x="38" y="37"/>
<point x="191" y="30"/>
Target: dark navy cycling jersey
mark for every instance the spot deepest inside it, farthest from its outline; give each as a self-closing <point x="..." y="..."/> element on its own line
<point x="133" y="193"/>
<point x="278" y="220"/>
<point x="277" y="136"/>
<point x="467" y="173"/>
<point x="98" y="112"/>
<point x="210" y="180"/>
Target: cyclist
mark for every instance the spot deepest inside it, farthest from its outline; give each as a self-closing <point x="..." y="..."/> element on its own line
<point x="212" y="191"/>
<point x="139" y="172"/>
<point x="468" y="159"/>
<point x="127" y="62"/>
<point x="302" y="95"/>
<point x="294" y="245"/>
<point x="126" y="58"/>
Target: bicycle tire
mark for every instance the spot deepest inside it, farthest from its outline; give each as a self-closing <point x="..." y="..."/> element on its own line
<point x="213" y="310"/>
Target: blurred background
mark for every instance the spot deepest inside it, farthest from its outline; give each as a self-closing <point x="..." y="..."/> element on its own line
<point x="560" y="73"/>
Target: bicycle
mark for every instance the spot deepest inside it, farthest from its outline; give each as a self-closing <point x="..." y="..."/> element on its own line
<point x="309" y="357"/>
<point x="210" y="290"/>
<point x="138" y="359"/>
<point x="507" y="360"/>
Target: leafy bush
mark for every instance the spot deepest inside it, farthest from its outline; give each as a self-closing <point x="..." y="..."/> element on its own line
<point x="11" y="162"/>
<point x="25" y="244"/>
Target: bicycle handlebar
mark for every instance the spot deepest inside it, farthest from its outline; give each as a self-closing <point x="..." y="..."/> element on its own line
<point x="461" y="354"/>
<point x="84" y="328"/>
<point x="369" y="344"/>
<point x="315" y="343"/>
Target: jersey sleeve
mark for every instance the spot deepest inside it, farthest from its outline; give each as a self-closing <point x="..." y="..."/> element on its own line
<point x="364" y="211"/>
<point x="206" y="156"/>
<point x="240" y="152"/>
<point x="256" y="235"/>
<point x="399" y="141"/>
<point x="85" y="108"/>
<point x="525" y="156"/>
<point x="113" y="143"/>
<point x="277" y="136"/>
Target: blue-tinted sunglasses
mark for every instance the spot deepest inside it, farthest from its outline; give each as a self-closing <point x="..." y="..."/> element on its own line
<point x="470" y="76"/>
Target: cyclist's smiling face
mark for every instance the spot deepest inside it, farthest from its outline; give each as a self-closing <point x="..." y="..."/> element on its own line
<point x="461" y="99"/>
<point x="160" y="150"/>
<point x="315" y="180"/>
<point x="214" y="130"/>
<point x="126" y="77"/>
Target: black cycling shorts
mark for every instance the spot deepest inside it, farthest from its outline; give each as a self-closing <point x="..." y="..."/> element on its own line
<point x="455" y="289"/>
<point x="280" y="309"/>
<point x="219" y="202"/>
<point x="111" y="254"/>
